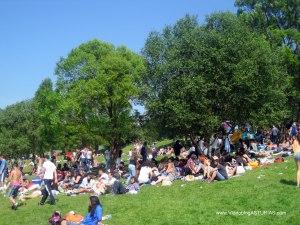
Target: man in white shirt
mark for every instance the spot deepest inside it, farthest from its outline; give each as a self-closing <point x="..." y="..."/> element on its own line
<point x="50" y="178"/>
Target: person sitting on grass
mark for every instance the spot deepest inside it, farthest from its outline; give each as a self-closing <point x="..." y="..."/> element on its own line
<point x="242" y="158"/>
<point x="85" y="186"/>
<point x="133" y="187"/>
<point x="145" y="173"/>
<point x="67" y="181"/>
<point x="103" y="177"/>
<point x="78" y="179"/>
<point x="209" y="172"/>
<point x="115" y="184"/>
<point x="60" y="173"/>
<point x="94" y="216"/>
<point x="99" y="186"/>
<point x="231" y="169"/>
<point x="222" y="172"/>
<point x="168" y="174"/>
<point x="192" y="166"/>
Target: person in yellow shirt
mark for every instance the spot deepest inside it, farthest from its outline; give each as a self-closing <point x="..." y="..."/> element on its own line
<point x="296" y="149"/>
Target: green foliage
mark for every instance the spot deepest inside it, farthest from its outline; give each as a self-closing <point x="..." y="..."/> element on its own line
<point x="190" y="77"/>
<point x="279" y="20"/>
<point x="47" y="102"/>
<point x="98" y="83"/>
<point x="18" y="130"/>
<point x="199" y="76"/>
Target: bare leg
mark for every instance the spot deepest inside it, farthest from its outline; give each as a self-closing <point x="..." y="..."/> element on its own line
<point x="213" y="175"/>
<point x="159" y="179"/>
<point x="12" y="200"/>
<point x="298" y="173"/>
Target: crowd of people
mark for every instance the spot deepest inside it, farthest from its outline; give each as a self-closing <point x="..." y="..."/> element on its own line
<point x="228" y="153"/>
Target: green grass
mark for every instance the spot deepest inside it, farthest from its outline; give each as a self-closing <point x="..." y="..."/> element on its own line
<point x="194" y="203"/>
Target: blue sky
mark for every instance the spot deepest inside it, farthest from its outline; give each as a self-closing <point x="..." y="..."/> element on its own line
<point x="36" y="33"/>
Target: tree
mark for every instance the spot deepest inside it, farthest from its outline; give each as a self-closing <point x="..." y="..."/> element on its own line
<point x="199" y="76"/>
<point x="98" y="82"/>
<point x="47" y="104"/>
<point x="18" y="136"/>
<point x="279" y="20"/>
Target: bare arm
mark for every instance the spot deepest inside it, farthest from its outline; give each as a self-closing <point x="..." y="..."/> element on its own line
<point x="55" y="177"/>
<point x="11" y="176"/>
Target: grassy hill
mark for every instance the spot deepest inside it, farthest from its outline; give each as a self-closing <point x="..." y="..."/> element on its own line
<point x="271" y="189"/>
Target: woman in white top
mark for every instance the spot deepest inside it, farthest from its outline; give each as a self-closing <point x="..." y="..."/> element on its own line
<point x="145" y="173"/>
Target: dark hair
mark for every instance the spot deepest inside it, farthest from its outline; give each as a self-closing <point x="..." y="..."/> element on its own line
<point x="146" y="163"/>
<point x="94" y="202"/>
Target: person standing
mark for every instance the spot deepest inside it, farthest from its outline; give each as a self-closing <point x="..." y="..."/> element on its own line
<point x="274" y="134"/>
<point x="3" y="170"/>
<point x="83" y="160"/>
<point x="293" y="130"/>
<point x="296" y="150"/>
<point x="16" y="179"/>
<point x="49" y="178"/>
<point x="177" y="148"/>
<point x="144" y="153"/>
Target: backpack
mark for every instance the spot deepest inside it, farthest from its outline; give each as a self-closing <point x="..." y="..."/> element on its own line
<point x="55" y="219"/>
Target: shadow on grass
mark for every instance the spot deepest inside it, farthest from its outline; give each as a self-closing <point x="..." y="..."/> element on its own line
<point x="288" y="182"/>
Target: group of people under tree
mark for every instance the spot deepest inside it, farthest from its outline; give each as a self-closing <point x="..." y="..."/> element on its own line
<point x="230" y="152"/>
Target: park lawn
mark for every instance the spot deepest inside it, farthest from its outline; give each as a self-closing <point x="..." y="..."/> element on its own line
<point x="186" y="202"/>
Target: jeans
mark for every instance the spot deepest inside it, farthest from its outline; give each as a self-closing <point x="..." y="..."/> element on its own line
<point x="47" y="191"/>
<point x="220" y="176"/>
<point x="274" y="138"/>
<point x="132" y="172"/>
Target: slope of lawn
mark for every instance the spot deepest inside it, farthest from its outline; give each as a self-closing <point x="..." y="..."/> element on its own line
<point x="264" y="189"/>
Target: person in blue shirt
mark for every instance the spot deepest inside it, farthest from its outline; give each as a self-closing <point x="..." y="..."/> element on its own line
<point x="94" y="215"/>
<point x="3" y="168"/>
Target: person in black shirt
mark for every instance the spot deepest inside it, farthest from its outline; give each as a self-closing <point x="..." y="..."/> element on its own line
<point x="177" y="147"/>
<point x="144" y="152"/>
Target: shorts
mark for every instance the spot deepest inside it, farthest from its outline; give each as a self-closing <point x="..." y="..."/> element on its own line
<point x="14" y="191"/>
<point x="297" y="156"/>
